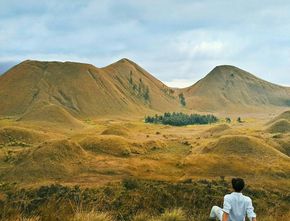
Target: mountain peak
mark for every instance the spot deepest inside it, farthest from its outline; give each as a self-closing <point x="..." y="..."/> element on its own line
<point x="229" y="71"/>
<point x="39" y="62"/>
<point x="226" y="69"/>
<point x="225" y="66"/>
<point x="124" y="61"/>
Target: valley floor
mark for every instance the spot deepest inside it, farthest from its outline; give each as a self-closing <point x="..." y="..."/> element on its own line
<point x="105" y="153"/>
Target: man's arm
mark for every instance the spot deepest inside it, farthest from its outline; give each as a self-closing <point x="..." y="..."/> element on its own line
<point x="226" y="216"/>
<point x="250" y="211"/>
<point x="226" y="209"/>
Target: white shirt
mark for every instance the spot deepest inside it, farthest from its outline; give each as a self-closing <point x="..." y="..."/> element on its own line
<point x="238" y="206"/>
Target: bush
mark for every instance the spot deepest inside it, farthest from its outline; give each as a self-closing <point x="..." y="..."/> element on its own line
<point x="130" y="183"/>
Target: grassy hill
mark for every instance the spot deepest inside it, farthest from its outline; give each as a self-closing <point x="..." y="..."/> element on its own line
<point x="228" y="88"/>
<point x="66" y="92"/>
<point x="56" y="91"/>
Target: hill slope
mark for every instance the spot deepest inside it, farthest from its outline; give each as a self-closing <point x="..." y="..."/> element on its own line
<point x="81" y="90"/>
<point x="232" y="89"/>
<point x="283" y="116"/>
<point x="280" y="126"/>
<point x="67" y="91"/>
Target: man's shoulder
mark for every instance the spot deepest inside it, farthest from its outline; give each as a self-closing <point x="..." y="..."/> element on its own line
<point x="247" y="198"/>
<point x="227" y="196"/>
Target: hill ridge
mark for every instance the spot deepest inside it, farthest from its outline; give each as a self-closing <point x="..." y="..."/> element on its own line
<point x="84" y="90"/>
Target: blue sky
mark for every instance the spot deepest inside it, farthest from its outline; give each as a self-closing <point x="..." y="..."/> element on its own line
<point x="178" y="41"/>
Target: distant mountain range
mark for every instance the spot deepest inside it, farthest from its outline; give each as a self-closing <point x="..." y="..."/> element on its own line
<point x="66" y="91"/>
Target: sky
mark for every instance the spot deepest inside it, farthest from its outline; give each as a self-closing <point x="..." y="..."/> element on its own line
<point x="177" y="41"/>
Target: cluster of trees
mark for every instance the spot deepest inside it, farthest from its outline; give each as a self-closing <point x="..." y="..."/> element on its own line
<point x="182" y="99"/>
<point x="140" y="89"/>
<point x="181" y="119"/>
<point x="229" y="120"/>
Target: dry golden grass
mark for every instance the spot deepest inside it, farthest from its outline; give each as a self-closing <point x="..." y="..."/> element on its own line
<point x="218" y="129"/>
<point x="110" y="144"/>
<point x="49" y="94"/>
<point x="229" y="89"/>
<point x="169" y="215"/>
<point x="92" y="156"/>
<point x="12" y="135"/>
<point x="52" y="113"/>
<point x="280" y="126"/>
<point x="172" y="215"/>
<point x="92" y="216"/>
<point x="241" y="145"/>
<point x="22" y="218"/>
<point x="282" y="116"/>
<point x="116" y="130"/>
<point x="51" y="159"/>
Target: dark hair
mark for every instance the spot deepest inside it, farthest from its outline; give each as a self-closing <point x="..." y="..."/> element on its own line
<point x="238" y="184"/>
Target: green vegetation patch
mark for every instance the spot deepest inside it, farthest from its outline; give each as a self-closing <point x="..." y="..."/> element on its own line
<point x="181" y="119"/>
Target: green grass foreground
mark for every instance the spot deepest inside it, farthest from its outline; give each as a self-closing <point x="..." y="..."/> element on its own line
<point x="135" y="200"/>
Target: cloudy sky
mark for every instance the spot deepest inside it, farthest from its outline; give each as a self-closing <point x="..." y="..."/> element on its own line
<point x="178" y="41"/>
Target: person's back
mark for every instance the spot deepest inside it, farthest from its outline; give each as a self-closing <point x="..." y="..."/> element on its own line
<point x="236" y="206"/>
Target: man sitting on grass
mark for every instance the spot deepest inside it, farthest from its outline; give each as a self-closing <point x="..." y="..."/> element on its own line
<point x="236" y="205"/>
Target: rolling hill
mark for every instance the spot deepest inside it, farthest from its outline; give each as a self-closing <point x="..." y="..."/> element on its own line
<point x="67" y="92"/>
<point x="62" y="91"/>
<point x="280" y="124"/>
<point x="228" y="88"/>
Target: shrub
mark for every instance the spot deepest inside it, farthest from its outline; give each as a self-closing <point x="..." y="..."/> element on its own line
<point x="130" y="183"/>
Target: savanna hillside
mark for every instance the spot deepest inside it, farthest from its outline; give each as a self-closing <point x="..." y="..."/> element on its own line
<point x="73" y="139"/>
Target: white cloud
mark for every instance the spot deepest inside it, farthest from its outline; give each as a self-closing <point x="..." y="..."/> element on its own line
<point x="180" y="83"/>
<point x="172" y="39"/>
<point x="204" y="48"/>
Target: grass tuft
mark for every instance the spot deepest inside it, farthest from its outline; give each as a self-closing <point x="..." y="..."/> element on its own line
<point x="92" y="216"/>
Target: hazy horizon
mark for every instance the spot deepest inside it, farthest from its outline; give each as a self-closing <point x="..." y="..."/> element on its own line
<point x="178" y="42"/>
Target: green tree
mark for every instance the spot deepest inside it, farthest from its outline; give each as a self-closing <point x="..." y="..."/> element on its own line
<point x="131" y="78"/>
<point x="146" y="93"/>
<point x="182" y="99"/>
<point x="228" y="120"/>
<point x="181" y="119"/>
